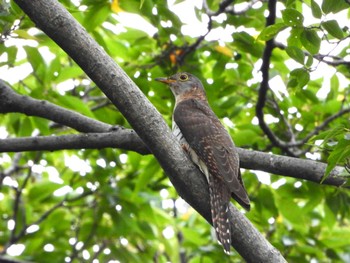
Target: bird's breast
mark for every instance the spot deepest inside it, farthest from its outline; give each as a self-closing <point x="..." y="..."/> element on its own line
<point x="193" y="155"/>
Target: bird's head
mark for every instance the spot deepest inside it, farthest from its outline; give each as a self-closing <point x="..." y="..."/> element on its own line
<point x="184" y="84"/>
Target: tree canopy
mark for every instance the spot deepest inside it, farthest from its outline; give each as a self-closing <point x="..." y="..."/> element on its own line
<point x="89" y="171"/>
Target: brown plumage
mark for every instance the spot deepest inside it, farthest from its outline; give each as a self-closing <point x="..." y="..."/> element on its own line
<point x="210" y="147"/>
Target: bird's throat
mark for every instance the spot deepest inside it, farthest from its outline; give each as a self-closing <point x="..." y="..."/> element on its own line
<point x="190" y="95"/>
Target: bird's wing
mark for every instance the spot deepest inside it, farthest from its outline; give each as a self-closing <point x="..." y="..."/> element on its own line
<point x="209" y="139"/>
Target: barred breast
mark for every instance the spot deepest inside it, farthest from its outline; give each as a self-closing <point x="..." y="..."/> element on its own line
<point x="194" y="157"/>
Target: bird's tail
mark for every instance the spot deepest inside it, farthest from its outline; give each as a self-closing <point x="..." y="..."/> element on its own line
<point x="219" y="201"/>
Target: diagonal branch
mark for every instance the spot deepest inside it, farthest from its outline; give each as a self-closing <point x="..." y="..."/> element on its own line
<point x="10" y="101"/>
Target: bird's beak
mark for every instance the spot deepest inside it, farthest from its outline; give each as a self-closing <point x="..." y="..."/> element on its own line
<point x="165" y="80"/>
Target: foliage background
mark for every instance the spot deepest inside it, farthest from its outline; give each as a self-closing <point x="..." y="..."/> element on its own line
<point x="108" y="204"/>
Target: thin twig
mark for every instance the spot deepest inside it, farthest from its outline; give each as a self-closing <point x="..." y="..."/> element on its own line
<point x="335" y="60"/>
<point x="264" y="86"/>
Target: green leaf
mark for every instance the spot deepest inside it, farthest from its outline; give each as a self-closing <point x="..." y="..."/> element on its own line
<point x="337" y="156"/>
<point x="244" y="137"/>
<point x="26" y="127"/>
<point x="305" y="93"/>
<point x="245" y="42"/>
<point x="333" y="28"/>
<point x="294" y="38"/>
<point x="229" y="103"/>
<point x="144" y="8"/>
<point x="290" y="210"/>
<point x="330" y="218"/>
<point x="34" y="57"/>
<point x="146" y="176"/>
<point x="309" y="61"/>
<point x="141" y="3"/>
<point x="317" y="198"/>
<point x="327" y="6"/>
<point x="292" y="17"/>
<point x="42" y="190"/>
<point x="315" y="9"/>
<point x="336" y="238"/>
<point x="41" y="124"/>
<point x="334" y="91"/>
<point x="329" y="134"/>
<point x="301" y="75"/>
<point x="334" y="6"/>
<point x="133" y="34"/>
<point x="271" y="31"/>
<point x="310" y="40"/>
<point x="266" y="203"/>
<point x="75" y="103"/>
<point x="96" y="16"/>
<point x="11" y="55"/>
<point x="296" y="53"/>
<point x="178" y="1"/>
<point x="24" y="34"/>
<point x="192" y="235"/>
<point x="68" y="73"/>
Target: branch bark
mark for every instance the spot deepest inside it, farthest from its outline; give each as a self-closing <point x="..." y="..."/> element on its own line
<point x="4" y="259"/>
<point x="10" y="101"/>
<point x="127" y="139"/>
<point x="58" y="24"/>
<point x="292" y="167"/>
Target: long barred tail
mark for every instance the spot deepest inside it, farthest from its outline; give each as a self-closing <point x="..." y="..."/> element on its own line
<point x="219" y="200"/>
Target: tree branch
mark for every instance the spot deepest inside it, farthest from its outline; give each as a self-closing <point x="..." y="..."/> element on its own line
<point x="293" y="142"/>
<point x="127" y="139"/>
<point x="292" y="167"/>
<point x="58" y="24"/>
<point x="4" y="259"/>
<point x="321" y="126"/>
<point x="10" y="101"/>
<point x="328" y="59"/>
<point x="264" y="86"/>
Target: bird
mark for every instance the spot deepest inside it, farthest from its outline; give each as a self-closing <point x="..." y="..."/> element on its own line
<point x="210" y="147"/>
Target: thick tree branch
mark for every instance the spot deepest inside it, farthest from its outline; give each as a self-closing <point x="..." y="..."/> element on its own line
<point x="127" y="139"/>
<point x="10" y="101"/>
<point x="289" y="166"/>
<point x="58" y="24"/>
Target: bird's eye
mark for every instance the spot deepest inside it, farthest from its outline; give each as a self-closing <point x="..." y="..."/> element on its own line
<point x="183" y="77"/>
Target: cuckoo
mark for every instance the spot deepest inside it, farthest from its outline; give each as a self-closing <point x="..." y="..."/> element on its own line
<point x="210" y="147"/>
